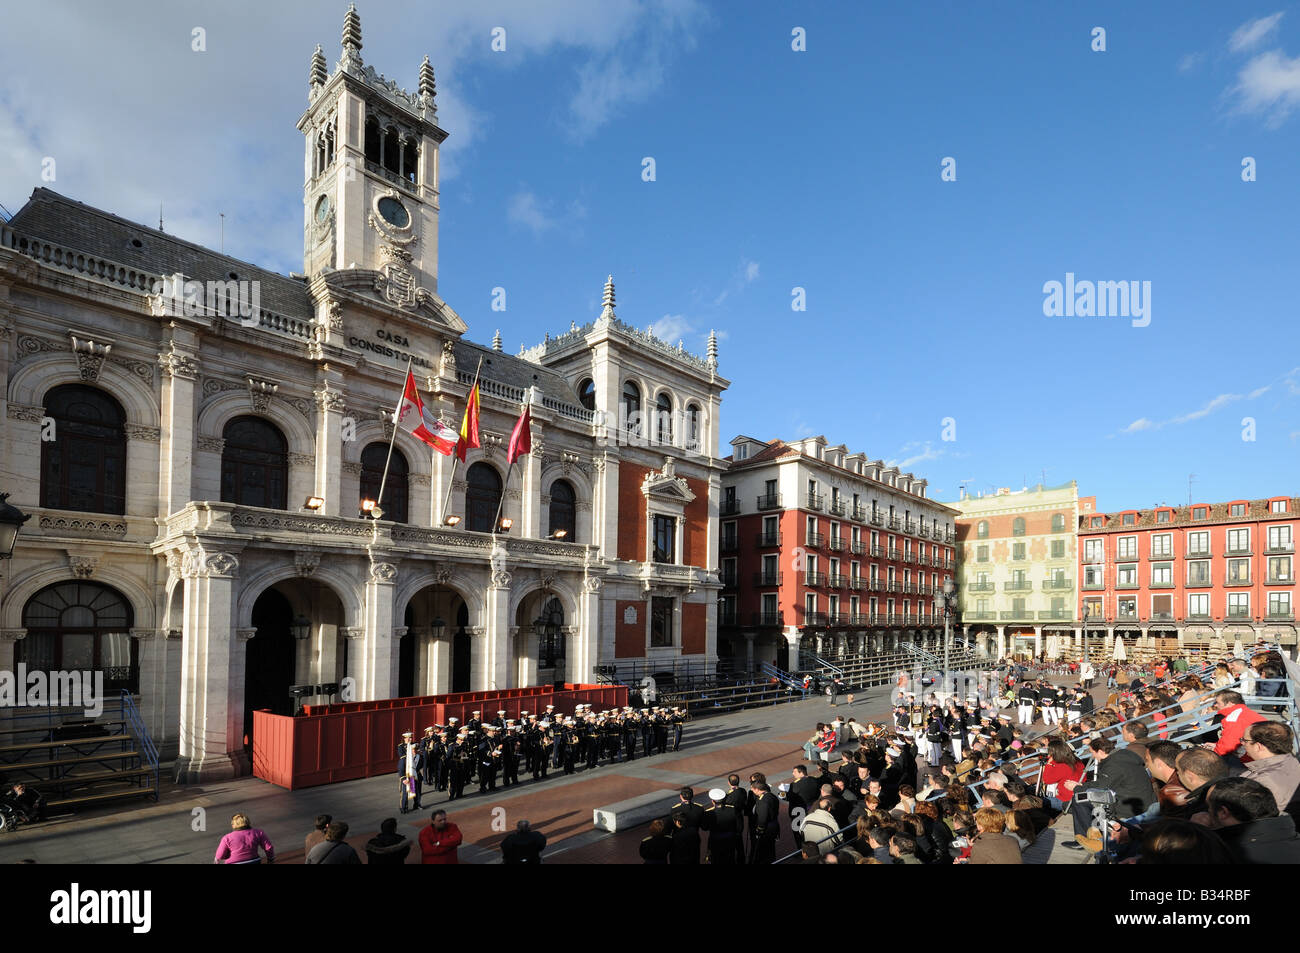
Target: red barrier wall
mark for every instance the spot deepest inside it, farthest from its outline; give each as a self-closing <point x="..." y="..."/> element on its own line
<point x="352" y="740"/>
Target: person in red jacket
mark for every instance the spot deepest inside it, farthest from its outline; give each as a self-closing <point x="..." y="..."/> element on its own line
<point x="1062" y="765"/>
<point x="439" y="841"/>
<point x="1235" y="717"/>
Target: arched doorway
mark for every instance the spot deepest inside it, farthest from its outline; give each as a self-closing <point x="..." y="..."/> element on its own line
<point x="80" y="626"/>
<point x="541" y="646"/>
<point x="460" y="652"/>
<point x="482" y="498"/>
<point x="269" y="664"/>
<point x="406" y="657"/>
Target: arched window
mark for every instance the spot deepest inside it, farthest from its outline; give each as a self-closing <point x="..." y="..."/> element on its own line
<point x="84" y="467"/>
<point x="550" y="635"/>
<point x="372" y="139"/>
<point x="632" y="409"/>
<point x="394" y="503"/>
<point x="693" y="427"/>
<point x="587" y="393"/>
<point x="254" y="464"/>
<point x="563" y="511"/>
<point x="482" y="497"/>
<point x="80" y="626"/>
<point x="1058" y="522"/>
<point x="392" y="149"/>
<point x="410" y="161"/>
<point x="1018" y="526"/>
<point x="664" y="419"/>
<point x="982" y="530"/>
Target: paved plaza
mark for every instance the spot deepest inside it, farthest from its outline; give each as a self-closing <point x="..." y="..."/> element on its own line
<point x="763" y="739"/>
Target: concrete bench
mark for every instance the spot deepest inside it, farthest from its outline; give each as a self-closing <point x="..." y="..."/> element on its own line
<point x="634" y="811"/>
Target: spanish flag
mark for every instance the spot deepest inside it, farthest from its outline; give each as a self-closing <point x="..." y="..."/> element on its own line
<point x="468" y="426"/>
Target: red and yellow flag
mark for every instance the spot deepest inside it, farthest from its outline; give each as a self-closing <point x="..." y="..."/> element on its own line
<point x="468" y="426"/>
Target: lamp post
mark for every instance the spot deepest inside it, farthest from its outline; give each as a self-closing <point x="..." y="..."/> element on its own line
<point x="11" y="523"/>
<point x="948" y="589"/>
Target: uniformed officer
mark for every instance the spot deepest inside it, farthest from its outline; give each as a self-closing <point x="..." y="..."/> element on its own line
<point x="660" y="730"/>
<point x="430" y="764"/>
<point x="630" y="728"/>
<point x="677" y="719"/>
<point x="646" y="727"/>
<point x="723" y="825"/>
<point x="410" y="771"/>
<point x="510" y="754"/>
<point x="1047" y="702"/>
<point x="737" y="798"/>
<point x="553" y="717"/>
<point x="487" y="758"/>
<point x="1026" y="698"/>
<point x="457" y="756"/>
<point x="568" y="744"/>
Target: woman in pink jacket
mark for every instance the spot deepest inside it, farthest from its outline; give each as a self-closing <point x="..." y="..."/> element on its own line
<point x="241" y="845"/>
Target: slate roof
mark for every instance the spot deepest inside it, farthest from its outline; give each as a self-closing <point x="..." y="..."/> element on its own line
<point x="513" y="371"/>
<point x="63" y="221"/>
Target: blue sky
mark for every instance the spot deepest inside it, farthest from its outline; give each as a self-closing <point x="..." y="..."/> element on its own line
<point x="778" y="169"/>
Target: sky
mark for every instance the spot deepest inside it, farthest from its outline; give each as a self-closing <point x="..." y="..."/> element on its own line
<point x="915" y="175"/>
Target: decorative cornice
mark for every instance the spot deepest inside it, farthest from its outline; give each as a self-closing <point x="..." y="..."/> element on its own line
<point x="260" y="392"/>
<point x="353" y="469"/>
<point x="90" y="356"/>
<point x="140" y="432"/>
<point x="243" y="635"/>
<point x="12" y="635"/>
<point x="210" y="443"/>
<point x="328" y="399"/>
<point x="27" y="412"/>
<point x="383" y="573"/>
<point x="302" y="459"/>
<point x="176" y="363"/>
<point x="76" y="526"/>
<point x="352" y="631"/>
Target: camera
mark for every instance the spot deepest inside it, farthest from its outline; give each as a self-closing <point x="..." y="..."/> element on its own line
<point x="1100" y="797"/>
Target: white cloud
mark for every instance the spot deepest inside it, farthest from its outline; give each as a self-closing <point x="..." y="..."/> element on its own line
<point x="923" y="452"/>
<point x="1221" y="401"/>
<point x="527" y="210"/>
<point x="1142" y="423"/>
<point x="1259" y="392"/>
<point x="751" y="270"/>
<point x="1290" y="378"/>
<point x="1269" y="85"/>
<point x="1190" y="62"/>
<point x="1253" y="32"/>
<point x="672" y="328"/>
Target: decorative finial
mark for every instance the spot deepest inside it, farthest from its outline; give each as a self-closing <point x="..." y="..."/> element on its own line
<point x="713" y="347"/>
<point x="496" y="340"/>
<point x="608" y="310"/>
<point x="352" y="30"/>
<point x="318" y="72"/>
<point x="428" y="89"/>
<point x="573" y="326"/>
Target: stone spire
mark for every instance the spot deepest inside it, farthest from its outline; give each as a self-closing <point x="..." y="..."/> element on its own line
<point x="713" y="347"/>
<point x="428" y="89"/>
<point x="318" y="72"/>
<point x="496" y="341"/>
<point x="352" y="31"/>
<point x="608" y="310"/>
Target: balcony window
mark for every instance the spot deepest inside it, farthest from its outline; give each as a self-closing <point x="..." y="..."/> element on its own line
<point x="1198" y="573"/>
<point x="1198" y="544"/>
<point x="1238" y="541"/>
<point x="661" y="622"/>
<point x="982" y="529"/>
<point x="1018" y="526"/>
<point x="1127" y="547"/>
<point x="1279" y="569"/>
<point x="1279" y="605"/>
<point x="665" y="539"/>
<point x="1239" y="605"/>
<point x="1279" y="539"/>
<point x="1238" y="572"/>
<point x="1162" y="546"/>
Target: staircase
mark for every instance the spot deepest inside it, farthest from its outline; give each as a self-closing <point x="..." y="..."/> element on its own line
<point x="78" y="762"/>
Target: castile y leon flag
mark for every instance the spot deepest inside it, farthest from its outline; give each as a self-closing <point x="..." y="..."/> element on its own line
<point x="411" y="417"/>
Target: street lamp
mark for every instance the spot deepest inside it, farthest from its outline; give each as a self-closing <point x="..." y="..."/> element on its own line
<point x="300" y="627"/>
<point x="11" y="522"/>
<point x="437" y="627"/>
<point x="948" y="589"/>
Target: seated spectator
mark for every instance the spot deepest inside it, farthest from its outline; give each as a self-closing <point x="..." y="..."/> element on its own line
<point x="1062" y="765"/>
<point x="902" y="849"/>
<point x="1021" y="828"/>
<point x="820" y="827"/>
<point x="1244" y="814"/>
<point x="318" y="833"/>
<point x="1197" y="768"/>
<point x="1268" y="745"/>
<point x="991" y="845"/>
<point x="1118" y="770"/>
<point x="334" y="849"/>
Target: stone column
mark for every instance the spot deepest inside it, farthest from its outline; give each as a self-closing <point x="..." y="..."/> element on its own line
<point x="1038" y="640"/>
<point x="212" y="671"/>
<point x="438" y="663"/>
<point x="605" y="514"/>
<point x="379" y="661"/>
<point x="583" y="649"/>
<point x="532" y="522"/>
<point x="528" y="643"/>
<point x="351" y="678"/>
<point x="1002" y="643"/>
<point x="480" y="676"/>
<point x="329" y="443"/>
<point x="8" y="639"/>
<point x="302" y="653"/>
<point x="792" y="639"/>
<point x="749" y="651"/>
<point x="151" y="648"/>
<point x="399" y="633"/>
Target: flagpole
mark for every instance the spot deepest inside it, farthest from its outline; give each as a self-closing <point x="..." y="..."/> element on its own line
<point x="383" y="481"/>
<point x="496" y="524"/>
<point x="442" y="515"/>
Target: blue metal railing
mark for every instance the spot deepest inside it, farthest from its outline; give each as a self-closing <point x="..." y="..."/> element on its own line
<point x="785" y="678"/>
<point x="149" y="751"/>
<point x="809" y="660"/>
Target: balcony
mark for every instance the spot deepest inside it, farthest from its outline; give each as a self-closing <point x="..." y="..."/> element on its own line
<point x="1241" y="614"/>
<point x="1127" y="557"/>
<point x="1125" y="616"/>
<point x="859" y="514"/>
<point x="767" y="579"/>
<point x="949" y="564"/>
<point x="861" y="618"/>
<point x="1280" y="615"/>
<point x="924" y="589"/>
<point x="1012" y="615"/>
<point x="1162" y="585"/>
<point x="1055" y="615"/>
<point x="895" y="554"/>
<point x="728" y="579"/>
<point x="857" y="583"/>
<point x="981" y="586"/>
<point x="1023" y="585"/>
<point x="727" y="617"/>
<point x="909" y="557"/>
<point x="730" y="507"/>
<point x="729" y="543"/>
<point x="815" y="541"/>
<point x="814" y="579"/>
<point x="1162" y="617"/>
<point x="769" y="501"/>
<point x="1093" y="586"/>
<point x="1058" y="585"/>
<point x="1160" y="557"/>
<point x="769" y="618"/>
<point x="1275" y="580"/>
<point x="895" y="523"/>
<point x="837" y="582"/>
<point x="1197" y="554"/>
<point x="1130" y="584"/>
<point x="814" y="618"/>
<point x="838" y="508"/>
<point x="1237" y="581"/>
<point x="875" y="585"/>
<point x="923" y="532"/>
<point x="877" y="519"/>
<point x="1279" y="548"/>
<point x="947" y="536"/>
<point x="894" y="586"/>
<point x="979" y="616"/>
<point x="909" y="527"/>
<point x="837" y="618"/>
<point x="856" y="548"/>
<point x="837" y="543"/>
<point x="1198" y="617"/>
<point x="1239" y="552"/>
<point x="816" y="501"/>
<point x="1199" y="583"/>
<point x="876" y="551"/>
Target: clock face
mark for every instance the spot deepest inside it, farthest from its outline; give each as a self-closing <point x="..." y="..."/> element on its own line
<point x="322" y="209"/>
<point x="394" y="212"/>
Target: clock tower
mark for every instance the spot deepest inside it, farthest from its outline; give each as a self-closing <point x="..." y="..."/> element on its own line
<point x="371" y="193"/>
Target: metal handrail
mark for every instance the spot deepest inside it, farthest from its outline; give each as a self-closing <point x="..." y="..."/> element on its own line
<point x="839" y="833"/>
<point x="147" y="747"/>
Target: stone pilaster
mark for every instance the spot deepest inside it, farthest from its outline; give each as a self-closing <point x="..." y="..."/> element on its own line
<point x="379" y="653"/>
<point x="179" y="363"/>
<point x="329" y="443"/>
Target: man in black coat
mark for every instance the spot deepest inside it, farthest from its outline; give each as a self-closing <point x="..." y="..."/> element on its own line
<point x="686" y="808"/>
<point x="410" y="771"/>
<point x="723" y="824"/>
<point x="524" y="846"/>
<point x="767" y="824"/>
<point x="804" y="791"/>
<point x="738" y="799"/>
<point x="1119" y="770"/>
<point x="1244" y="814"/>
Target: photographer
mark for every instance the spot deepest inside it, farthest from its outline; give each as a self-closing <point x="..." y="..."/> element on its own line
<point x="1122" y="771"/>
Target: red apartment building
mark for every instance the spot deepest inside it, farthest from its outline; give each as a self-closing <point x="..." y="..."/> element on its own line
<point x="828" y="551"/>
<point x="1181" y="575"/>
